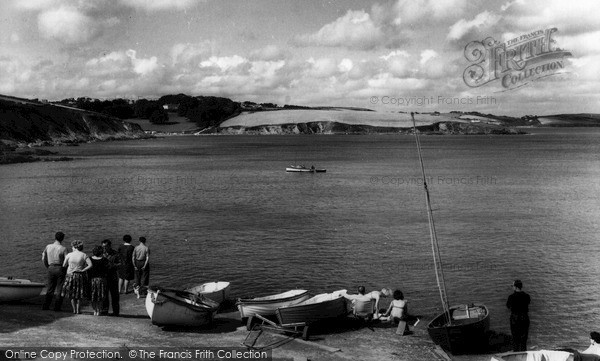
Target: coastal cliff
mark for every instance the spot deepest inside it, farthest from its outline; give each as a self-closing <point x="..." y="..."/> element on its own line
<point x="327" y="127"/>
<point x="25" y="123"/>
<point x="28" y="123"/>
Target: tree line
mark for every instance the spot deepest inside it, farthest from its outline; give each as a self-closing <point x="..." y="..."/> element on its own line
<point x="205" y="111"/>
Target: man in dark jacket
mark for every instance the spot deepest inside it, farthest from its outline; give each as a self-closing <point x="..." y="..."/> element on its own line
<point x="518" y="304"/>
<point x="112" y="280"/>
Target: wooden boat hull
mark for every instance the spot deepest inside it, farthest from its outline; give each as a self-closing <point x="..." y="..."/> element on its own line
<point x="266" y="306"/>
<point x="14" y="289"/>
<point x="317" y="308"/>
<point x="167" y="307"/>
<point x="534" y="355"/>
<point x="216" y="291"/>
<point x="464" y="335"/>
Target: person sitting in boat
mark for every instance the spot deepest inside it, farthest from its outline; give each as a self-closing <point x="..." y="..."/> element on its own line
<point x="398" y="311"/>
<point x="594" y="348"/>
<point x="312" y="168"/>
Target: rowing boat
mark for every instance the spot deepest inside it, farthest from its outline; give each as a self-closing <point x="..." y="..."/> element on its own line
<point x="318" y="308"/>
<point x="15" y="289"/>
<point x="466" y="332"/>
<point x="541" y="355"/>
<point x="169" y="307"/>
<point x="216" y="291"/>
<point x="303" y="169"/>
<point x="267" y="305"/>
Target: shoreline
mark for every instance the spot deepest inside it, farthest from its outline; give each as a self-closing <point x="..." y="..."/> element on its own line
<point x="24" y="324"/>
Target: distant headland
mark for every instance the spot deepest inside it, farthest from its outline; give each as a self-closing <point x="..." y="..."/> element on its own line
<point x="32" y="122"/>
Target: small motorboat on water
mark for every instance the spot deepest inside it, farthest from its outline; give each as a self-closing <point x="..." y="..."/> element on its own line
<point x="15" y="289"/>
<point x="216" y="291"/>
<point x="320" y="307"/>
<point x="169" y="307"/>
<point x="540" y="355"/>
<point x="267" y="305"/>
<point x="304" y="169"/>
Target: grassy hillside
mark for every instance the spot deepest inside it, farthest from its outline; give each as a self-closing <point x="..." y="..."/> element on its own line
<point x="346" y="116"/>
<point x="570" y="120"/>
<point x="26" y="122"/>
<point x="387" y="122"/>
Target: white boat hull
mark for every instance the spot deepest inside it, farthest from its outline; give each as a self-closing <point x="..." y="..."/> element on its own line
<point x="18" y="289"/>
<point x="216" y="291"/>
<point x="546" y="355"/>
<point x="266" y="306"/>
<point x="168" y="308"/>
<point x="305" y="170"/>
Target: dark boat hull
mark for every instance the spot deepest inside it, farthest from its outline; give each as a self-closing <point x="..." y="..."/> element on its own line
<point x="466" y="335"/>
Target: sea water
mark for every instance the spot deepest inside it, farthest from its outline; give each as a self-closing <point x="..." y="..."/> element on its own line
<point x="223" y="208"/>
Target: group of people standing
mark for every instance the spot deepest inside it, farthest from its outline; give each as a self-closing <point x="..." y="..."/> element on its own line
<point x="99" y="278"/>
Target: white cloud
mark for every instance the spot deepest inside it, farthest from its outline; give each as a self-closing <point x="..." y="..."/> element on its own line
<point x="388" y="25"/>
<point x="68" y="25"/>
<point x="581" y="44"/>
<point x="224" y="63"/>
<point x="269" y="53"/>
<point x="395" y="53"/>
<point x="356" y="29"/>
<point x="159" y="5"/>
<point x="345" y="65"/>
<point x="570" y="17"/>
<point x="322" y="67"/>
<point x="399" y="63"/>
<point x="112" y="64"/>
<point x="122" y="65"/>
<point x="427" y="55"/>
<point x="448" y="8"/>
<point x="410" y="12"/>
<point x="190" y="56"/>
<point x="142" y="66"/>
<point x="463" y="27"/>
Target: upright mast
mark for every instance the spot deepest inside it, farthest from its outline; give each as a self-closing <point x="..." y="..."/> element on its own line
<point x="439" y="273"/>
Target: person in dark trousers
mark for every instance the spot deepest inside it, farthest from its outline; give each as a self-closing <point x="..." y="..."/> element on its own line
<point x="140" y="259"/>
<point x="53" y="257"/>
<point x="112" y="278"/>
<point x="518" y="304"/>
<point x="126" y="271"/>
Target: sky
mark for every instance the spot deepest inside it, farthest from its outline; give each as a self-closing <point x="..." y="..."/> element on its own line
<point x="384" y="55"/>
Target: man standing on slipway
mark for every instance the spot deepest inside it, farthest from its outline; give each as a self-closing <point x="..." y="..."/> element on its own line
<point x="141" y="256"/>
<point x="518" y="303"/>
<point x="53" y="257"/>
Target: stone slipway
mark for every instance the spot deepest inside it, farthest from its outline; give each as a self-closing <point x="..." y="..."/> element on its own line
<point x="24" y="324"/>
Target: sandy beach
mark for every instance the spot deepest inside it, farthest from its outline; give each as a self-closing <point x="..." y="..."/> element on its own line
<point x="24" y="324"/>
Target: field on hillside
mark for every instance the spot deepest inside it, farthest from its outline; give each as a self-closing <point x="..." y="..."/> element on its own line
<point x="376" y="119"/>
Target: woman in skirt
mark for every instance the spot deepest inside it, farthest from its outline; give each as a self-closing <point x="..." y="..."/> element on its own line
<point x="76" y="263"/>
<point x="97" y="274"/>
